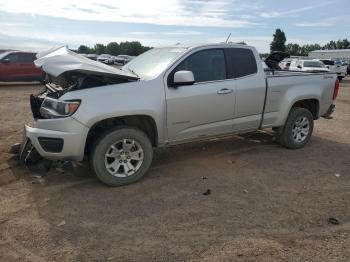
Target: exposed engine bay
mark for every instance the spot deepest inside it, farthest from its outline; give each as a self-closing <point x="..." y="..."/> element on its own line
<point x="67" y="71"/>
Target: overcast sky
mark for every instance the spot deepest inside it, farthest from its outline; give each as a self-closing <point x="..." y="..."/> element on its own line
<point x="38" y="24"/>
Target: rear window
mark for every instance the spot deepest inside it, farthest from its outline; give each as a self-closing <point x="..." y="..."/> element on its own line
<point x="312" y="64"/>
<point x="328" y="62"/>
<point x="241" y="62"/>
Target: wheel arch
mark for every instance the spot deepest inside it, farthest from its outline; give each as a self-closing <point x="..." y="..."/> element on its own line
<point x="311" y="104"/>
<point x="144" y="123"/>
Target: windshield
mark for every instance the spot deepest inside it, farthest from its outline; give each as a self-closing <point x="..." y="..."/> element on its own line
<point x="153" y="62"/>
<point x="313" y="64"/>
<point x="2" y="55"/>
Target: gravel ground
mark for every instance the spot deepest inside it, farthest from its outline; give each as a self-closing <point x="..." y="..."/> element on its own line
<point x="266" y="203"/>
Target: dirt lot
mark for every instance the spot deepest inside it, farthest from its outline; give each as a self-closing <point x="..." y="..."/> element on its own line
<point x="267" y="203"/>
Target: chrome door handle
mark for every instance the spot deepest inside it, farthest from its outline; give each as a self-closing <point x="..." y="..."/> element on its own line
<point x="225" y="91"/>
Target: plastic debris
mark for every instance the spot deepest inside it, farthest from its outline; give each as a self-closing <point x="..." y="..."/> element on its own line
<point x="208" y="192"/>
<point x="62" y="223"/>
<point x="333" y="221"/>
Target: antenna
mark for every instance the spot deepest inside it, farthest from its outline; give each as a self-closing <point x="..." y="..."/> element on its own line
<point x="228" y="38"/>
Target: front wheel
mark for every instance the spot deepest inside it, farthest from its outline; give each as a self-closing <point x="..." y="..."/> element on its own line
<point x="297" y="129"/>
<point x="121" y="156"/>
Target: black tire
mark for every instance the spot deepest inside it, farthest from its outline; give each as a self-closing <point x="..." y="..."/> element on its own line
<point x="340" y="78"/>
<point x="103" y="143"/>
<point x="286" y="136"/>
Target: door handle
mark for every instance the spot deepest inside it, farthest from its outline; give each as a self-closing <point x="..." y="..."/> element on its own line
<point x="225" y="91"/>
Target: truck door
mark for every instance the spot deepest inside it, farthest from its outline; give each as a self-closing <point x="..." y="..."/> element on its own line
<point x="30" y="72"/>
<point x="10" y="67"/>
<point x="206" y="107"/>
<point x="250" y="87"/>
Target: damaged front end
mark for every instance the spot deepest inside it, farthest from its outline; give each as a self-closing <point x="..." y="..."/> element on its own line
<point x="65" y="71"/>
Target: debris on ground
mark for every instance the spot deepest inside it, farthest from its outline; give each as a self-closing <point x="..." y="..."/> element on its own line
<point x="208" y="192"/>
<point x="3" y="220"/>
<point x="62" y="223"/>
<point x="231" y="161"/>
<point x="333" y="221"/>
<point x="337" y="175"/>
<point x="204" y="177"/>
<point x="246" y="191"/>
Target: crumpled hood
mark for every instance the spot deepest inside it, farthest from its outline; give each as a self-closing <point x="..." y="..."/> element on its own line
<point x="57" y="61"/>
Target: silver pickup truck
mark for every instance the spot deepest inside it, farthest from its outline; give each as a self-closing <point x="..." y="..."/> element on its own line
<point x="166" y="96"/>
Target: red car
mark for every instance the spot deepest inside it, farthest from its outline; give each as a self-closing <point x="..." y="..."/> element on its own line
<point x="19" y="66"/>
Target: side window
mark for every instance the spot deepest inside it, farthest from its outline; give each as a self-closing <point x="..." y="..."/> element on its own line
<point x="241" y="62"/>
<point x="13" y="57"/>
<point x="208" y="65"/>
<point x="28" y="57"/>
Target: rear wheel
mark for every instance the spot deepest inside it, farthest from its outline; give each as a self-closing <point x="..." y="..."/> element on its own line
<point x="121" y="156"/>
<point x="297" y="129"/>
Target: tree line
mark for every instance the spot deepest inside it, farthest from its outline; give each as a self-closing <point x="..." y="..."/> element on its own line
<point x="279" y="44"/>
<point x="133" y="48"/>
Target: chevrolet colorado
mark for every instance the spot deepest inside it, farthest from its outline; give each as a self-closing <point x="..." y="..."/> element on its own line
<point x="167" y="96"/>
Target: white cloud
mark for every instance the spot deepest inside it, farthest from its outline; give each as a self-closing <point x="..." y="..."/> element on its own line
<point x="329" y="21"/>
<point x="38" y="41"/>
<point x="314" y="24"/>
<point x="159" y="12"/>
<point x="274" y="14"/>
<point x="170" y="33"/>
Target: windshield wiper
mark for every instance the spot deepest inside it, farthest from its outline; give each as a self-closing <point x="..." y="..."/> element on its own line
<point x="132" y="71"/>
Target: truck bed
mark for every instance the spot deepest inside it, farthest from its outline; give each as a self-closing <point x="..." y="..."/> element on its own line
<point x="285" y="87"/>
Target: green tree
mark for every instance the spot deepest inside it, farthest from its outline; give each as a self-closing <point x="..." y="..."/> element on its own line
<point x="113" y="48"/>
<point x="83" y="49"/>
<point x="293" y="49"/>
<point x="100" y="49"/>
<point x="278" y="42"/>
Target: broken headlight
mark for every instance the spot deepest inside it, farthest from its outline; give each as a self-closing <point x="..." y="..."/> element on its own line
<point x="54" y="108"/>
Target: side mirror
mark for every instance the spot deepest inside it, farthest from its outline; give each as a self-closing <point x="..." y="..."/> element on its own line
<point x="6" y="61"/>
<point x="182" y="78"/>
<point x="299" y="66"/>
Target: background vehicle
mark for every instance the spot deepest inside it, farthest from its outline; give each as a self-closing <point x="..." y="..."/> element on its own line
<point x="19" y="66"/>
<point x="92" y="56"/>
<point x="308" y="66"/>
<point x="106" y="59"/>
<point x="335" y="67"/>
<point x="167" y="96"/>
<point x="123" y="59"/>
<point x="285" y="64"/>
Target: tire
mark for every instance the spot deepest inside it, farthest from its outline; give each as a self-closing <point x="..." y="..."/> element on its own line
<point x="340" y="78"/>
<point x="294" y="133"/>
<point x="106" y="159"/>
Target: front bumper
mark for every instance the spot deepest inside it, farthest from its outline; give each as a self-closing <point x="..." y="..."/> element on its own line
<point x="58" y="139"/>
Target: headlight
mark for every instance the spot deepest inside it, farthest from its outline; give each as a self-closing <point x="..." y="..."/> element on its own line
<point x="54" y="108"/>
